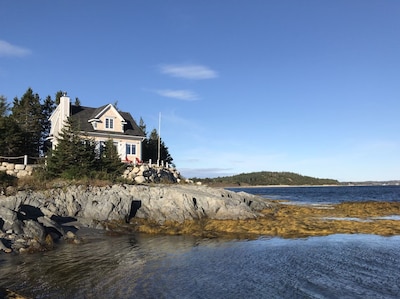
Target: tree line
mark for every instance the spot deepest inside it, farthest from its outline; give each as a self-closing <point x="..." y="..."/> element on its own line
<point x="267" y="178"/>
<point x="25" y="126"/>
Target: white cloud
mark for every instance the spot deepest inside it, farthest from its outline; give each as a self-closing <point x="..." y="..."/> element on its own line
<point x="189" y="71"/>
<point x="7" y="49"/>
<point x="185" y="95"/>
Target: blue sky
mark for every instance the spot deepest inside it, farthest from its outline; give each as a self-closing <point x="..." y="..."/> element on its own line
<point x="308" y="86"/>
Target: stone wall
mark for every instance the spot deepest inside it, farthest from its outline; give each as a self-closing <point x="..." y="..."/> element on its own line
<point x="145" y="173"/>
<point x="17" y="170"/>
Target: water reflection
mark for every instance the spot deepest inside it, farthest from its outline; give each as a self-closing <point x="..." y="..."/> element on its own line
<point x="143" y="266"/>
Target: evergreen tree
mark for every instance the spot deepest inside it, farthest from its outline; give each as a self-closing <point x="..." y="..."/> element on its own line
<point x="11" y="138"/>
<point x="59" y="94"/>
<point x="164" y="153"/>
<point x="4" y="106"/>
<point x="47" y="109"/>
<point x="110" y="161"/>
<point x="142" y="126"/>
<point x="32" y="117"/>
<point x="116" y="105"/>
<point x="10" y="135"/>
<point x="74" y="156"/>
<point x="77" y="102"/>
<point x="150" y="148"/>
<point x="27" y="113"/>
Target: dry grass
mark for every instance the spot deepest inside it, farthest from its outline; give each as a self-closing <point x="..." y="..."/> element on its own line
<point x="34" y="183"/>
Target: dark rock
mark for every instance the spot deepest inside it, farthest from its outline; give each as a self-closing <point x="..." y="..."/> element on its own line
<point x="8" y="218"/>
<point x="34" y="230"/>
<point x="5" y="245"/>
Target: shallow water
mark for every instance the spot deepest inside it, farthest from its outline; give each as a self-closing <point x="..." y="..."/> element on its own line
<point x="141" y="266"/>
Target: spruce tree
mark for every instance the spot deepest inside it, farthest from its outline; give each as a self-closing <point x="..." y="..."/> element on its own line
<point x="27" y="113"/>
<point x="74" y="155"/>
<point x="59" y="94"/>
<point x="4" y="106"/>
<point x="150" y="148"/>
<point x="110" y="161"/>
<point x="47" y="109"/>
<point x="142" y="126"/>
<point x="11" y="138"/>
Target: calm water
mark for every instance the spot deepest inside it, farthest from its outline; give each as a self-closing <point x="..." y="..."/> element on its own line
<point x="143" y="266"/>
<point x="327" y="194"/>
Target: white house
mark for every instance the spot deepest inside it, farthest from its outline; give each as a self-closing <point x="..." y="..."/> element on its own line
<point x="100" y="124"/>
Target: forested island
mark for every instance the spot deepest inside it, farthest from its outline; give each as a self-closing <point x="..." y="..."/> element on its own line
<point x="266" y="178"/>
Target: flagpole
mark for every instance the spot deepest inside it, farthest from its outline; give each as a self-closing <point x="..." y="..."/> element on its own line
<point x="159" y="139"/>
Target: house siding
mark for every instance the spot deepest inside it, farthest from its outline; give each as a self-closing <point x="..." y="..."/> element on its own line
<point x="124" y="131"/>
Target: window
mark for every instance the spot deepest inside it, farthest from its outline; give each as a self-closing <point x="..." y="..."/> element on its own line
<point x="99" y="148"/>
<point x="109" y="123"/>
<point x="130" y="149"/>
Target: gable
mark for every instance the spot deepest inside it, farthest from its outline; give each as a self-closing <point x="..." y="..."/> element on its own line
<point x="107" y="119"/>
<point x="108" y="110"/>
<point x="123" y="122"/>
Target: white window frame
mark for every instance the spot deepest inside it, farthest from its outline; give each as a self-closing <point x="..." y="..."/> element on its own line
<point x="109" y="123"/>
<point x="130" y="148"/>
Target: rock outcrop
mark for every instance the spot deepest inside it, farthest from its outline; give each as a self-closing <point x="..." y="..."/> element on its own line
<point x="37" y="219"/>
<point x="149" y="173"/>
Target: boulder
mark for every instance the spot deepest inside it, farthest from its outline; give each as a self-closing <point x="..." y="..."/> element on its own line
<point x="11" y="172"/>
<point x="19" y="167"/>
<point x="50" y="224"/>
<point x="7" y="218"/>
<point x="144" y="168"/>
<point x="22" y="173"/>
<point x="140" y="179"/>
<point x="34" y="230"/>
<point x="29" y="168"/>
<point x="10" y="166"/>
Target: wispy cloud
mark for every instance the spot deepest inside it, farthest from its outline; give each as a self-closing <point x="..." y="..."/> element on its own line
<point x="7" y="49"/>
<point x="188" y="71"/>
<point x="185" y="95"/>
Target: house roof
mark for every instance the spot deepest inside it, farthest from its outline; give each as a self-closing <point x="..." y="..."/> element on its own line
<point x="82" y="114"/>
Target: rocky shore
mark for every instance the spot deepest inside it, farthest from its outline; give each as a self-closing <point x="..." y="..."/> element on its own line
<point x="33" y="221"/>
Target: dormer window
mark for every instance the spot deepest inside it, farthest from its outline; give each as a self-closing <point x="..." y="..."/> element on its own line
<point x="93" y="122"/>
<point x="109" y="123"/>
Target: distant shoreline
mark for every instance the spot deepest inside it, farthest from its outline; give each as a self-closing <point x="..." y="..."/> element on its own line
<point x="304" y="186"/>
<point x="283" y="186"/>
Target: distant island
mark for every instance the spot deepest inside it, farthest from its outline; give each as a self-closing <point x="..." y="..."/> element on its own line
<point x="266" y="178"/>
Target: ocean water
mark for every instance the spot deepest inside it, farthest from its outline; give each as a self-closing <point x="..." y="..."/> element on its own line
<point x="147" y="266"/>
<point x="327" y="194"/>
